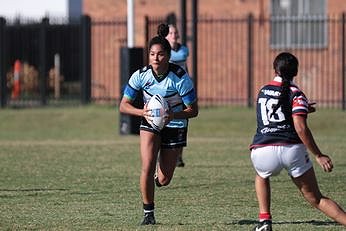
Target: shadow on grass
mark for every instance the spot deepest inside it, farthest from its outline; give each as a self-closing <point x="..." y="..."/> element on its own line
<point x="31" y="191"/>
<point x="204" y="185"/>
<point x="312" y="222"/>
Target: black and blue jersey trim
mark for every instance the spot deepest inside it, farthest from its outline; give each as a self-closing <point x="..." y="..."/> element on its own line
<point x="177" y="70"/>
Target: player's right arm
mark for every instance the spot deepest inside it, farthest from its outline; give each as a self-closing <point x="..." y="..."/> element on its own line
<point x="126" y="107"/>
<point x="130" y="93"/>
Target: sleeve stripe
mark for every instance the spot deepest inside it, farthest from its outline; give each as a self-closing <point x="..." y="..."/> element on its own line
<point x="299" y="108"/>
<point x="192" y="90"/>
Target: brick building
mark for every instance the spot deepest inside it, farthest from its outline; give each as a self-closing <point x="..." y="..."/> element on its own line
<point x="110" y="9"/>
<point x="313" y="40"/>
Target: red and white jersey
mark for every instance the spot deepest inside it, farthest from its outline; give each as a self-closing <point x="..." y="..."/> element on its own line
<point x="278" y="128"/>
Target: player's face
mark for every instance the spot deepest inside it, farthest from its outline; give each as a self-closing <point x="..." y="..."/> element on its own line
<point x="158" y="59"/>
<point x="173" y="35"/>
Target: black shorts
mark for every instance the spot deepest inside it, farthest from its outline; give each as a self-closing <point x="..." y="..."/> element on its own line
<point x="170" y="137"/>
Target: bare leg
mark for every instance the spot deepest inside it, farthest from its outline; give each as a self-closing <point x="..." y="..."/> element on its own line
<point x="149" y="149"/>
<point x="263" y="194"/>
<point x="166" y="165"/>
<point x="307" y="184"/>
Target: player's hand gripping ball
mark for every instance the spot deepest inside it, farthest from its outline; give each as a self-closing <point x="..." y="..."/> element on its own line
<point x="159" y="108"/>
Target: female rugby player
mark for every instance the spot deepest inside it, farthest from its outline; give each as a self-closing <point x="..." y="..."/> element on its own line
<point x="282" y="140"/>
<point x="159" y="149"/>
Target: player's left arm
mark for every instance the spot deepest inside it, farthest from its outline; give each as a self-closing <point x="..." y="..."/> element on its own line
<point x="304" y="133"/>
<point x="188" y="96"/>
<point x="300" y="109"/>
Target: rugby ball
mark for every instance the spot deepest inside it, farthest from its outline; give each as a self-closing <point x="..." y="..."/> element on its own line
<point x="158" y="106"/>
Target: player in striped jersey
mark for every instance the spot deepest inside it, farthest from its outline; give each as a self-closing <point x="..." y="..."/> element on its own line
<point x="159" y="149"/>
<point x="281" y="141"/>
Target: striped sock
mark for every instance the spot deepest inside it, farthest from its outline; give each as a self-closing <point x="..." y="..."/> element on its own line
<point x="148" y="208"/>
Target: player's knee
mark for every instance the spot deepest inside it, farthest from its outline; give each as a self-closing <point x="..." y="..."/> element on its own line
<point x="165" y="181"/>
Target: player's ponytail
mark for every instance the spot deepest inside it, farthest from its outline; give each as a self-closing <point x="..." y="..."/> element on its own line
<point x="285" y="66"/>
<point x="163" y="30"/>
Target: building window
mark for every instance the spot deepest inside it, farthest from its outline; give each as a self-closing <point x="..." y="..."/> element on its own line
<point x="298" y="24"/>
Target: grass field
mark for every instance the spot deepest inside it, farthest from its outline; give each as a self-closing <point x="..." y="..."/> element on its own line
<point x="69" y="169"/>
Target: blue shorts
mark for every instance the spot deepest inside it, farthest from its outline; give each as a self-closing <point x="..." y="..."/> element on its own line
<point x="170" y="137"/>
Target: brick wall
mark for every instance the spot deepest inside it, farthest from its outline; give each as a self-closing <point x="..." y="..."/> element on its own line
<point x="110" y="9"/>
<point x="107" y="56"/>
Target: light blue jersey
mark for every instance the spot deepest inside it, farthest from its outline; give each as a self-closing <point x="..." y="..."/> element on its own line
<point x="176" y="87"/>
<point x="179" y="56"/>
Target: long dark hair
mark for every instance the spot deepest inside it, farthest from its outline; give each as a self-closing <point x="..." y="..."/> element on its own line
<point x="162" y="32"/>
<point x="285" y="66"/>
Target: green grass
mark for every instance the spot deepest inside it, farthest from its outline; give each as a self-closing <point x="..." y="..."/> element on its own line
<point x="69" y="169"/>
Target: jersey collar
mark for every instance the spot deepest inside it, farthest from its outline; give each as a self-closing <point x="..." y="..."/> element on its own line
<point x="277" y="81"/>
<point x="161" y="77"/>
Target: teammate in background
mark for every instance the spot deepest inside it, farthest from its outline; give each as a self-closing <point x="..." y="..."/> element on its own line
<point x="282" y="140"/>
<point x="174" y="84"/>
<point x="179" y="54"/>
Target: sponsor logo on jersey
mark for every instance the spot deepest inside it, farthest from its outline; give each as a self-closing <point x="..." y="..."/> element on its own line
<point x="271" y="92"/>
<point x="148" y="84"/>
<point x="278" y="128"/>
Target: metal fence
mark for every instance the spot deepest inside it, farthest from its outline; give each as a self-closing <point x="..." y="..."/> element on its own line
<point x="44" y="62"/>
<point x="234" y="59"/>
<point x="107" y="39"/>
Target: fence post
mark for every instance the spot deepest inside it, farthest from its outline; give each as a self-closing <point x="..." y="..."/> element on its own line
<point x="85" y="57"/>
<point x="42" y="60"/>
<point x="343" y="68"/>
<point x="250" y="78"/>
<point x="57" y="76"/>
<point x="131" y="59"/>
<point x="3" y="80"/>
<point x="146" y="36"/>
<point x="194" y="43"/>
<point x="183" y="21"/>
